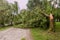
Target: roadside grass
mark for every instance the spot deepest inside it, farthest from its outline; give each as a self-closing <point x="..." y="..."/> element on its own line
<point x="4" y="28"/>
<point x="23" y="39"/>
<point x="57" y="31"/>
<point x="57" y="26"/>
<point x="39" y="34"/>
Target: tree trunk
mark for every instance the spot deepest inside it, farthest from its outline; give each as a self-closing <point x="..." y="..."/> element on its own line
<point x="51" y="22"/>
<point x="51" y="27"/>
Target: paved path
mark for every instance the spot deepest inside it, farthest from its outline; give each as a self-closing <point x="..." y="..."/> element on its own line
<point x="15" y="34"/>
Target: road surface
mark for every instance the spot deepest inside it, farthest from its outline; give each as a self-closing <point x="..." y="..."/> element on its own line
<point x="15" y="34"/>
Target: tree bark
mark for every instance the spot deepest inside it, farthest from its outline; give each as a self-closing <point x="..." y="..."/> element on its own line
<point x="51" y="22"/>
<point x="51" y="26"/>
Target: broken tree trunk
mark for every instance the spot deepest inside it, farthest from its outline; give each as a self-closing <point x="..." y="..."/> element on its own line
<point x="51" y="22"/>
<point x="51" y="26"/>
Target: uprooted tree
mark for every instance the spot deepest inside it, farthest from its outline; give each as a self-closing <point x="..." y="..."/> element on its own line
<point x="51" y="22"/>
<point x="34" y="16"/>
<point x="48" y="22"/>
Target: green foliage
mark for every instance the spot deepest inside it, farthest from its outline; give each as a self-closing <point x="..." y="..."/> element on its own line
<point x="4" y="9"/>
<point x="33" y="3"/>
<point x="33" y="18"/>
<point x="7" y="13"/>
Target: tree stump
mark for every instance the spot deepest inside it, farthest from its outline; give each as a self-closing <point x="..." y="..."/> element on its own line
<point x="51" y="25"/>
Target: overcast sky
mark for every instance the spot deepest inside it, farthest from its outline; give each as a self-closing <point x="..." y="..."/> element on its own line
<point x="21" y="3"/>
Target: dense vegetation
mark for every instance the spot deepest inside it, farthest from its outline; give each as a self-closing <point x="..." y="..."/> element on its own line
<point x="30" y="17"/>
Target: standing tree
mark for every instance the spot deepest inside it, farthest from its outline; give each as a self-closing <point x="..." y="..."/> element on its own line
<point x="4" y="7"/>
<point x="14" y="12"/>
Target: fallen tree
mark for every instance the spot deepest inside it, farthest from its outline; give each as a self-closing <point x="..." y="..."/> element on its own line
<point x="51" y="21"/>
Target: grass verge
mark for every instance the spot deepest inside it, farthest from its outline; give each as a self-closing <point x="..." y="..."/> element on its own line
<point x="39" y="34"/>
<point x="57" y="31"/>
<point x="4" y="28"/>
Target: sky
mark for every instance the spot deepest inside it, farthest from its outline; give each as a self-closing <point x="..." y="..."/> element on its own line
<point x="21" y="3"/>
